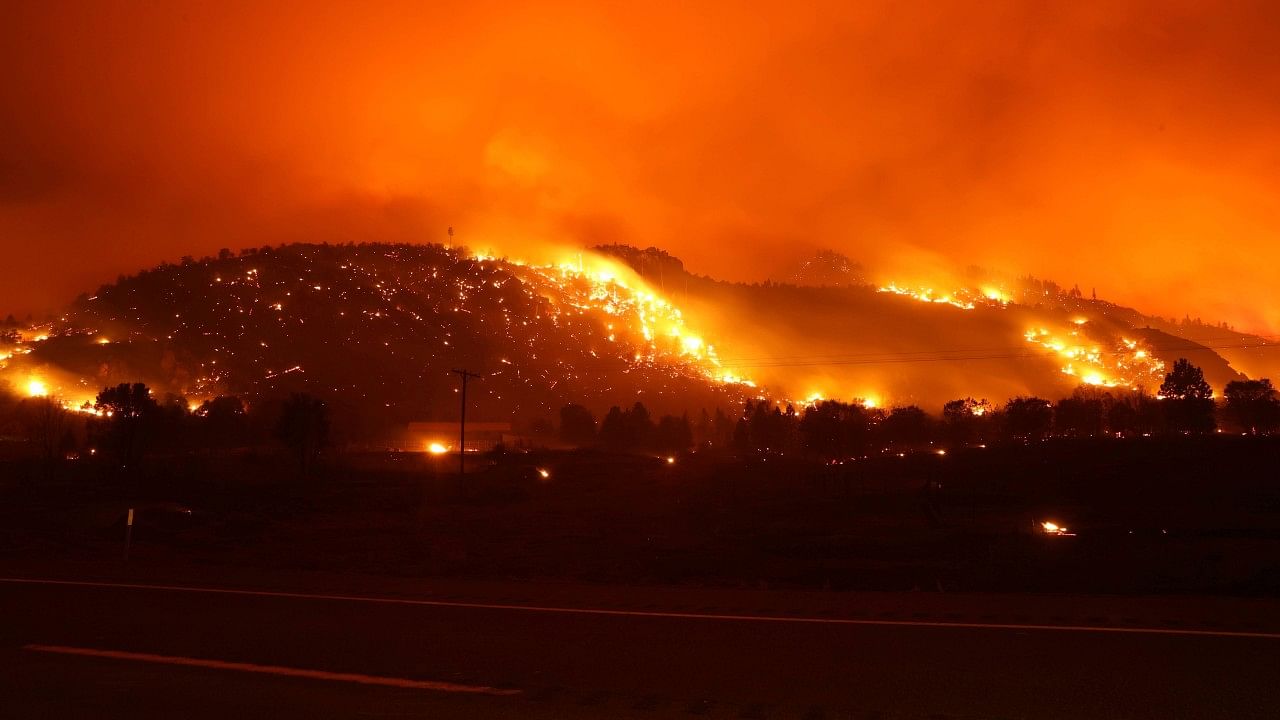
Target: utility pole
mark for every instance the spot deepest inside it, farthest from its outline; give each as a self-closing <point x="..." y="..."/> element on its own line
<point x="462" y="423"/>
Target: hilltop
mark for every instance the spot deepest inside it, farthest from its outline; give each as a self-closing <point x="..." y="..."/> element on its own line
<point x="376" y="329"/>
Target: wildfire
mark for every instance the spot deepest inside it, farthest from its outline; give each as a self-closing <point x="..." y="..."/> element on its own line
<point x="1123" y="364"/>
<point x="436" y="448"/>
<point x="37" y="388"/>
<point x="927" y="295"/>
<point x="653" y="323"/>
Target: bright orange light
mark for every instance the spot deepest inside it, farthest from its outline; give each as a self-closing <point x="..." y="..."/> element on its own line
<point x="671" y="460"/>
<point x="544" y="473"/>
<point x="436" y="448"/>
<point x="37" y="388"/>
<point x="1052" y="528"/>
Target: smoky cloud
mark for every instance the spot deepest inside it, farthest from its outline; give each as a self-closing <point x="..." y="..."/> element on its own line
<point x="1127" y="146"/>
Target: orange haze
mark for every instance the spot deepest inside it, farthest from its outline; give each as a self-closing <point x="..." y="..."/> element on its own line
<point x="1127" y="146"/>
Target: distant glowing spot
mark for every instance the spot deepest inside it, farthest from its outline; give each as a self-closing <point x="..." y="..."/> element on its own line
<point x="941" y="452"/>
<point x="671" y="460"/>
<point x="37" y="388"/>
<point x="1080" y="321"/>
<point x="1093" y="378"/>
<point x="870" y="403"/>
<point x="544" y="473"/>
<point x="1052" y="528"/>
<point x="436" y="448"/>
<point x="103" y="341"/>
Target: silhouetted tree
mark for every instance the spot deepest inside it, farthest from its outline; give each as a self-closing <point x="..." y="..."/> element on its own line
<point x="613" y="429"/>
<point x="128" y="412"/>
<point x="907" y="426"/>
<point x="1188" y="399"/>
<point x="1185" y="381"/>
<point x="673" y="434"/>
<point x="1083" y="414"/>
<point x="821" y="428"/>
<point x="172" y="422"/>
<point x="831" y="428"/>
<point x="222" y="422"/>
<point x="304" y="427"/>
<point x="640" y="426"/>
<point x="627" y="429"/>
<point x="1027" y="418"/>
<point x="1133" y="413"/>
<point x="966" y="419"/>
<point x="742" y="436"/>
<point x="769" y="427"/>
<point x="1253" y="405"/>
<point x="48" y="426"/>
<point x="722" y="428"/>
<point x="577" y="425"/>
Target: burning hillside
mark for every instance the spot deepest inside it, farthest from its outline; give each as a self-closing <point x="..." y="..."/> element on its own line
<point x="979" y="335"/>
<point x="378" y="328"/>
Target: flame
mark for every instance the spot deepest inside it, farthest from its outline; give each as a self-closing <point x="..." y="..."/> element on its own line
<point x="592" y="283"/>
<point x="436" y="448"/>
<point x="37" y="388"/>
<point x="1124" y="365"/>
<point x="927" y="295"/>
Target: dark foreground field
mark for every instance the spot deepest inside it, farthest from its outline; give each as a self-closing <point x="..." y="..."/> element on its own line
<point x="1151" y="516"/>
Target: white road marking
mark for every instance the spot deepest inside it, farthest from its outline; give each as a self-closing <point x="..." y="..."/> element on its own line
<point x="649" y="613"/>
<point x="274" y="670"/>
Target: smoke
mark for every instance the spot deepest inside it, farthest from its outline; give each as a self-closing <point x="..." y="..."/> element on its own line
<point x="1126" y="146"/>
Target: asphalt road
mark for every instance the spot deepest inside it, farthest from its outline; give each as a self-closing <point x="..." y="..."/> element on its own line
<point x="90" y="650"/>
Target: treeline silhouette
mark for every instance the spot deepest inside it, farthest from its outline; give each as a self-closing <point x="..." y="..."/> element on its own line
<point x="1184" y="405"/>
<point x="129" y="422"/>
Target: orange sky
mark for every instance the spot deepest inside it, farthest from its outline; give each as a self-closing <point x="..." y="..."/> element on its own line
<point x="1124" y="145"/>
